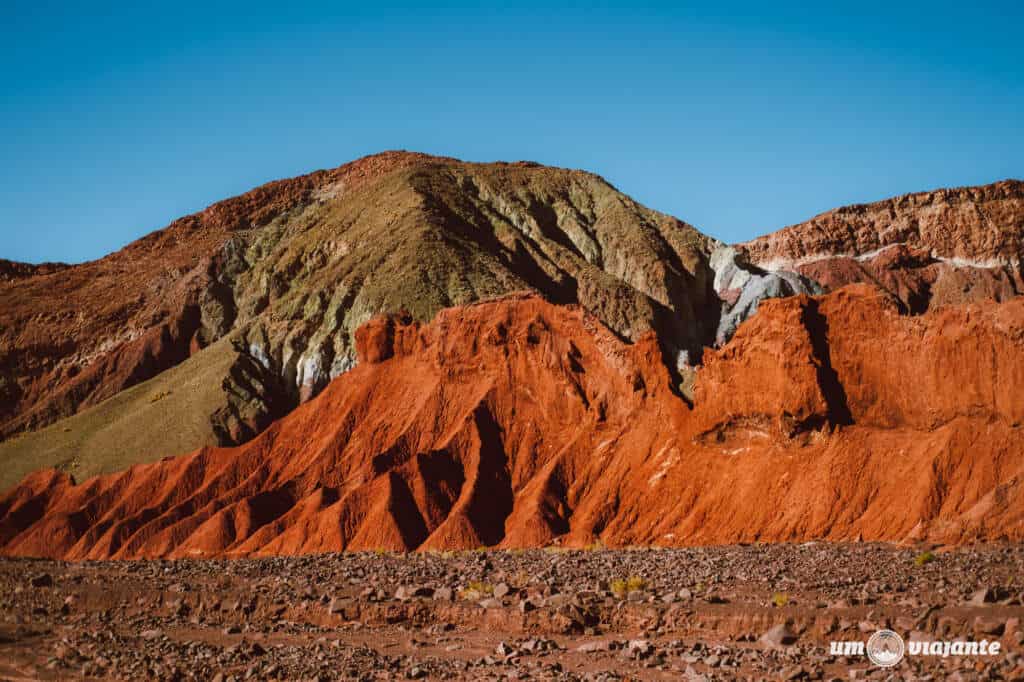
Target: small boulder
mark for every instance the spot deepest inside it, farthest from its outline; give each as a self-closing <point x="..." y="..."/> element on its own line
<point x="42" y="580"/>
<point x="989" y="626"/>
<point x="640" y="648"/>
<point x="988" y="595"/>
<point x="407" y="592"/>
<point x="777" y="637"/>
<point x="591" y="647"/>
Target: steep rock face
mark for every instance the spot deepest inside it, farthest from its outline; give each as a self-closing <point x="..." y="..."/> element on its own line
<point x="851" y="358"/>
<point x="519" y="423"/>
<point x="465" y="432"/>
<point x="742" y="286"/>
<point x="290" y="270"/>
<point x="928" y="249"/>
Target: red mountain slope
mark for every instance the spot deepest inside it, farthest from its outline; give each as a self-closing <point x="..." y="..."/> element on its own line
<point x="517" y="423"/>
<point x="928" y="249"/>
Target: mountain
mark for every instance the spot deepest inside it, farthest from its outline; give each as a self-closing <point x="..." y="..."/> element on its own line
<point x="417" y="352"/>
<point x="254" y="301"/>
<point x="519" y="423"/>
<point x="929" y="249"/>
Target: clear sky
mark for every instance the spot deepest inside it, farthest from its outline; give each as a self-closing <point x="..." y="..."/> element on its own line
<point x="737" y="117"/>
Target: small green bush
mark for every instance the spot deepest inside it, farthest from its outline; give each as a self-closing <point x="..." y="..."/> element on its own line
<point x="924" y="558"/>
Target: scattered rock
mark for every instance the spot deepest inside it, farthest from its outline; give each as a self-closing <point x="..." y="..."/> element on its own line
<point x="42" y="580"/>
<point x="778" y="636"/>
<point x="591" y="647"/>
<point x="406" y="592"/>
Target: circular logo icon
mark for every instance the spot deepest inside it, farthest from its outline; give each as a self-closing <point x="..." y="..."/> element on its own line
<point x="885" y="648"/>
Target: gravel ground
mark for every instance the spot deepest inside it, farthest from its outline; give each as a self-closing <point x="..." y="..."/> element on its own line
<point x="743" y="612"/>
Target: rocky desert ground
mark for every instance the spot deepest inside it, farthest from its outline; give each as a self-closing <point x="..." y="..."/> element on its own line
<point x="758" y="612"/>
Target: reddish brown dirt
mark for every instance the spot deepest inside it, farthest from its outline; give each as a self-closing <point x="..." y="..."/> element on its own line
<point x="756" y="612"/>
<point x="928" y="249"/>
<point x="74" y="335"/>
<point x="918" y="280"/>
<point x="519" y="423"/>
<point x="978" y="223"/>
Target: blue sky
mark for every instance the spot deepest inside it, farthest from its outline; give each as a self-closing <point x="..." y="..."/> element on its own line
<point x="737" y="117"/>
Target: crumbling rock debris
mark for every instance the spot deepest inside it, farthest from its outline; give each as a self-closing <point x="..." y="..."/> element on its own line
<point x="127" y="627"/>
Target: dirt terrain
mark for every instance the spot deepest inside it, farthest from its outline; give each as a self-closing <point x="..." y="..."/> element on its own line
<point x="741" y="612"/>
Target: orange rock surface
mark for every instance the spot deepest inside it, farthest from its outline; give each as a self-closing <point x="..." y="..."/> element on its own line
<point x="516" y="422"/>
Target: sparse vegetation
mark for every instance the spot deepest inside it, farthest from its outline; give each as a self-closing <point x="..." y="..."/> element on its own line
<point x="128" y="428"/>
<point x="159" y="395"/>
<point x="780" y="599"/>
<point x="620" y="588"/>
<point x="476" y="589"/>
<point x="924" y="558"/>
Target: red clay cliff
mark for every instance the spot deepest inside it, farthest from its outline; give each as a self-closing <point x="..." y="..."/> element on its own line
<point x="519" y="423"/>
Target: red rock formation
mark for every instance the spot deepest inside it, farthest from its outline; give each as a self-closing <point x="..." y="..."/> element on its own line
<point x="518" y="423"/>
<point x="928" y="249"/>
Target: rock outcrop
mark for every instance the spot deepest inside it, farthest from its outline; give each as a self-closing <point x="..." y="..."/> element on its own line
<point x="928" y="249"/>
<point x="286" y="273"/>
<point x="520" y="423"/>
<point x="742" y="286"/>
